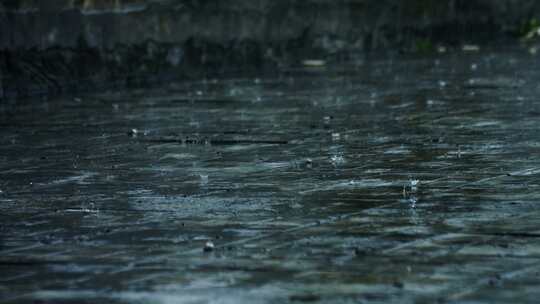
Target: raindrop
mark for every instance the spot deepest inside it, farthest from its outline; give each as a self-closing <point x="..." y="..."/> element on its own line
<point x="204" y="179"/>
<point x="412" y="201"/>
<point x="209" y="246"/>
<point x="414" y="183"/>
<point x="327" y="120"/>
<point x="470" y="48"/>
<point x="133" y="132"/>
<point x="313" y="62"/>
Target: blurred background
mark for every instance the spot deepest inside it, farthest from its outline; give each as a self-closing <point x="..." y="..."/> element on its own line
<point x="71" y="45"/>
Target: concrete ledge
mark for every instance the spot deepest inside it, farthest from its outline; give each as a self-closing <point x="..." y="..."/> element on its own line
<point x="48" y="46"/>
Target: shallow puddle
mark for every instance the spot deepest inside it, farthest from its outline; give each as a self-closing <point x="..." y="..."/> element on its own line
<point x="380" y="181"/>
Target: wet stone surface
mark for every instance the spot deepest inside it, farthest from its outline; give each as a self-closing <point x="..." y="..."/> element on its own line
<point x="367" y="182"/>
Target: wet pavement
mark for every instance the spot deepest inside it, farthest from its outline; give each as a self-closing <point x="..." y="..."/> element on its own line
<point x="373" y="181"/>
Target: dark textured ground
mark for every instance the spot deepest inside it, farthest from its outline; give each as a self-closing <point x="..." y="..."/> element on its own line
<point x="302" y="181"/>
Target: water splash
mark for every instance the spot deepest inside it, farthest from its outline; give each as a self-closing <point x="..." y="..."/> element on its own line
<point x="204" y="179"/>
<point x="337" y="160"/>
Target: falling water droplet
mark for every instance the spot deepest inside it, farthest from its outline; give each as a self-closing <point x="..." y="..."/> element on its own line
<point x="309" y="163"/>
<point x="412" y="201"/>
<point x="204" y="179"/>
<point x="133" y="132"/>
<point x="209" y="246"/>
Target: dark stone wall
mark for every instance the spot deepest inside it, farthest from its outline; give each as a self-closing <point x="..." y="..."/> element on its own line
<point x="61" y="45"/>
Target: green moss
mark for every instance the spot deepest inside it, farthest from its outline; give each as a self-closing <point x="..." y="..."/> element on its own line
<point x="424" y="8"/>
<point x="424" y="46"/>
<point x="530" y="29"/>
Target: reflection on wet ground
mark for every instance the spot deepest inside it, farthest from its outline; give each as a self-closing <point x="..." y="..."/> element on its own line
<point x="373" y="181"/>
